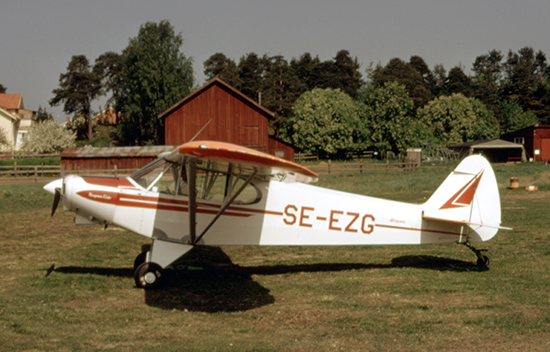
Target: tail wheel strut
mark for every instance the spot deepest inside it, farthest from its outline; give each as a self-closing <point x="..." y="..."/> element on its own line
<point x="482" y="260"/>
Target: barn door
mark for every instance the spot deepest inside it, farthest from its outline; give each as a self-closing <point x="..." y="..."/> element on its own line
<point x="545" y="148"/>
<point x="248" y="131"/>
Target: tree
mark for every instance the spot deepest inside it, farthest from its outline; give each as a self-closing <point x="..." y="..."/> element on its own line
<point x="3" y="138"/>
<point x="155" y="75"/>
<point x="428" y="77"/>
<point x="514" y="118"/>
<point x="251" y="72"/>
<point x="405" y="74"/>
<point x="78" y="87"/>
<point x="48" y="137"/>
<point x="325" y="121"/>
<point x="457" y="119"/>
<point x="2" y="89"/>
<point x="223" y="67"/>
<point x="308" y="71"/>
<point x="280" y="90"/>
<point x="345" y="74"/>
<point x="389" y="118"/>
<point x="487" y="79"/>
<point x="108" y="67"/>
<point x="457" y="82"/>
<point x="42" y="115"/>
<point x="526" y="74"/>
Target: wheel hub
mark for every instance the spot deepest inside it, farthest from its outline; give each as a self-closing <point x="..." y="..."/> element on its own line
<point x="150" y="278"/>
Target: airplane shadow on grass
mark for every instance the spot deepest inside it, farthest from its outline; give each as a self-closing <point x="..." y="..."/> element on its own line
<point x="206" y="280"/>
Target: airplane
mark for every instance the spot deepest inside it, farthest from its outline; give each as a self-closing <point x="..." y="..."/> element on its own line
<point x="216" y="193"/>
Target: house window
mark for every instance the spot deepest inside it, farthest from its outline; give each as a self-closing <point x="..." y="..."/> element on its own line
<point x="21" y="135"/>
<point x="519" y="140"/>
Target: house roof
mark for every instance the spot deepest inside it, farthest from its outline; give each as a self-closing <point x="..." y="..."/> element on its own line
<point x="11" y="101"/>
<point x="215" y="81"/>
<point x="4" y="112"/>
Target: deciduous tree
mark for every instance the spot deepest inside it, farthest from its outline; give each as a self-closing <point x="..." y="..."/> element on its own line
<point x="155" y="75"/>
<point x="48" y="137"/>
<point x="456" y="119"/>
<point x="325" y="121"/>
<point x="390" y="119"/>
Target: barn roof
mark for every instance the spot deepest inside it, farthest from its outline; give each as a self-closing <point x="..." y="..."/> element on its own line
<point x="116" y="152"/>
<point x="216" y="81"/>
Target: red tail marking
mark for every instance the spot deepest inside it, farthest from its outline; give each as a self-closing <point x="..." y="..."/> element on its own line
<point x="465" y="195"/>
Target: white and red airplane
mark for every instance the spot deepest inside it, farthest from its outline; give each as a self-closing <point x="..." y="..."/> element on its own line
<point x="214" y="193"/>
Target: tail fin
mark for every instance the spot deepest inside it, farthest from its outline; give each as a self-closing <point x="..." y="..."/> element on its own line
<point x="468" y="196"/>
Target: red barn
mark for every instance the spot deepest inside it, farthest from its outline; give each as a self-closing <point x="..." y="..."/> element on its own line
<point x="224" y="114"/>
<point x="535" y="139"/>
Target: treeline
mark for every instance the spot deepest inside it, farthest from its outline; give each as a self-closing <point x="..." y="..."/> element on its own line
<point x="397" y="105"/>
<point x="521" y="79"/>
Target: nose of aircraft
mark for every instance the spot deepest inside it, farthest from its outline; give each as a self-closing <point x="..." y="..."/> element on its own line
<point x="50" y="187"/>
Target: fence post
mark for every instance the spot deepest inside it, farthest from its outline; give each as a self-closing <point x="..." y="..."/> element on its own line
<point x="360" y="166"/>
<point x="116" y="168"/>
<point x="35" y="174"/>
<point x="329" y="167"/>
<point x="15" y="168"/>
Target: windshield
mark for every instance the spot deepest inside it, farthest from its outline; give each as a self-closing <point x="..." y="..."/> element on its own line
<point x="215" y="181"/>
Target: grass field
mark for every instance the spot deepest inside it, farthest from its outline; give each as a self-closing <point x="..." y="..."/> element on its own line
<point x="68" y="288"/>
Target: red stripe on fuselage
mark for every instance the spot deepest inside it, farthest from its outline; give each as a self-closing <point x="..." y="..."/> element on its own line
<point x="136" y="201"/>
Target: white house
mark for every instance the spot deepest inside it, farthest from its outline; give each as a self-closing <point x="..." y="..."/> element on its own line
<point x="15" y="120"/>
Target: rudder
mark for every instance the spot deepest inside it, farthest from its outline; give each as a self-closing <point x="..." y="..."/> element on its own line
<point x="469" y="195"/>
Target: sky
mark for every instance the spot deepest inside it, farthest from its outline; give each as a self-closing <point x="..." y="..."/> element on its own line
<point x="38" y="38"/>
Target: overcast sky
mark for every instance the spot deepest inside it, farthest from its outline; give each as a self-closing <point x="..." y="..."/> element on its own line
<point x="38" y="38"/>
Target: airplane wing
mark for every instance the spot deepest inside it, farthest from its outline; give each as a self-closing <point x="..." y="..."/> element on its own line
<point x="265" y="164"/>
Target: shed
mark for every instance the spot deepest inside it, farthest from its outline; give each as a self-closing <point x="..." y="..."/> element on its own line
<point x="535" y="139"/>
<point x="89" y="158"/>
<point x="219" y="112"/>
<point x="496" y="151"/>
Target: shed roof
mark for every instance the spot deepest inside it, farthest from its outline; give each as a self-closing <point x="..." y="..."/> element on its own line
<point x="116" y="152"/>
<point x="216" y="81"/>
<point x="496" y="143"/>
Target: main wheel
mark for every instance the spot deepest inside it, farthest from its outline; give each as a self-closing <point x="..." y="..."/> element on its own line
<point x="140" y="259"/>
<point x="148" y="276"/>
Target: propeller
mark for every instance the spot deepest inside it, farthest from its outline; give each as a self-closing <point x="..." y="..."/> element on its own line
<point x="56" y="198"/>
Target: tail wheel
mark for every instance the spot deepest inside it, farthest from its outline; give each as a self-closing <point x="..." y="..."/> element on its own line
<point x="483" y="261"/>
<point x="148" y="276"/>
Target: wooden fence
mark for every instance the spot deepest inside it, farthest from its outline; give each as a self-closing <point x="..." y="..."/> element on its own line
<point x="46" y="172"/>
<point x="330" y="168"/>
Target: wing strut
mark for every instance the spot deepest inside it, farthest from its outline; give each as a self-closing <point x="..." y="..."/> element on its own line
<point x="223" y="208"/>
<point x="191" y="181"/>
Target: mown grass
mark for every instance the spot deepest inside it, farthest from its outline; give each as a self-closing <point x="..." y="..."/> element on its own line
<point x="68" y="288"/>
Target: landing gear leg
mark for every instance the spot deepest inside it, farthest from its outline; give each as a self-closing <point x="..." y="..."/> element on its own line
<point x="482" y="260"/>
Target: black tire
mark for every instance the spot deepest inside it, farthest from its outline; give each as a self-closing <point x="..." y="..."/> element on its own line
<point x="483" y="262"/>
<point x="140" y="259"/>
<point x="148" y="276"/>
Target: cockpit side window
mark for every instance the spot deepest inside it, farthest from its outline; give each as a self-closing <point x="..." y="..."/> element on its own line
<point x="215" y="181"/>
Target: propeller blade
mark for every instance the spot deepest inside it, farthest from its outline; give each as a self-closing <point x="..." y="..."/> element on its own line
<point x="56" y="198"/>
